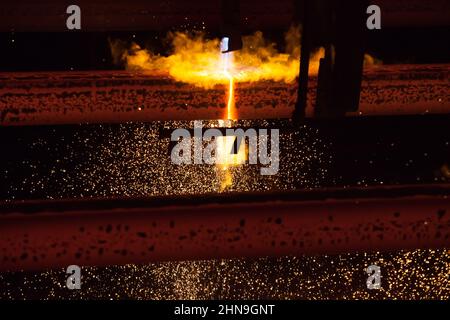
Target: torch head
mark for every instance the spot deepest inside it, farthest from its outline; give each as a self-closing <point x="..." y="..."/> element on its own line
<point x="231" y="25"/>
<point x="233" y="43"/>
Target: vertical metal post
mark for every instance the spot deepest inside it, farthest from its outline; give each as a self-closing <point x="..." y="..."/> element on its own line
<point x="300" y="106"/>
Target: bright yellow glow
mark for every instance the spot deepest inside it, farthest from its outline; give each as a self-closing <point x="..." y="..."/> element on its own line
<point x="196" y="60"/>
<point x="225" y="158"/>
<point x="224" y="145"/>
<point x="231" y="110"/>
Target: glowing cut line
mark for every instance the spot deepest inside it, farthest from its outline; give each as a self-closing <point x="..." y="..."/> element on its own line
<point x="230" y="104"/>
<point x="225" y="144"/>
<point x="227" y="61"/>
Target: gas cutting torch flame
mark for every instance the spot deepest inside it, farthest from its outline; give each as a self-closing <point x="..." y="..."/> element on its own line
<point x="230" y="102"/>
<point x="224" y="145"/>
<point x="227" y="61"/>
<point x="197" y="61"/>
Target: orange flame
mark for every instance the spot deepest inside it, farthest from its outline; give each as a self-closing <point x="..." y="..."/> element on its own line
<point x="225" y="160"/>
<point x="231" y="111"/>
<point x="195" y="60"/>
<point x="198" y="61"/>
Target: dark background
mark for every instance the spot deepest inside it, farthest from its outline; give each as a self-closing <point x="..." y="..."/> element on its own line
<point x="51" y="51"/>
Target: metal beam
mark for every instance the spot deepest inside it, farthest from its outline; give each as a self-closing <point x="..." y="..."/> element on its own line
<point x="46" y="98"/>
<point x="52" y="234"/>
<point x="134" y="15"/>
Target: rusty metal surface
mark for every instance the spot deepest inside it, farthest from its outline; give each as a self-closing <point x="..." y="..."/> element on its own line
<point x="49" y="15"/>
<point x="52" y="234"/>
<point x="116" y="96"/>
<point x="120" y="96"/>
